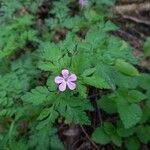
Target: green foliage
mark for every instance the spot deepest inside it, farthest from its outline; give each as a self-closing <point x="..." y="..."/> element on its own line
<point x="123" y="132"/>
<point x="132" y="143"/>
<point x="106" y="134"/>
<point x="11" y="8"/>
<point x="126" y="68"/>
<point x="18" y="33"/>
<point x="143" y="133"/>
<point x="37" y="96"/>
<point x="99" y="136"/>
<point x="45" y="138"/>
<point x="147" y="48"/>
<point x="126" y="102"/>
<point x="132" y="117"/>
<point x="39" y="39"/>
<point x="108" y="105"/>
<point x="123" y="101"/>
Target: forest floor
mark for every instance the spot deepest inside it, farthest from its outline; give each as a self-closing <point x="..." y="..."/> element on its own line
<point x="134" y="24"/>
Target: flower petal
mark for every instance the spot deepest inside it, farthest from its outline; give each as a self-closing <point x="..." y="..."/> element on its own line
<point x="72" y="77"/>
<point x="62" y="86"/>
<point x="71" y="85"/>
<point x="65" y="73"/>
<point x="59" y="79"/>
<point x="83" y="2"/>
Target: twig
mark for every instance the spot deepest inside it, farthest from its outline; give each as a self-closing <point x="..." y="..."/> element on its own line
<point x="99" y="115"/>
<point x="136" y="20"/>
<point x="132" y="8"/>
<point x="89" y="137"/>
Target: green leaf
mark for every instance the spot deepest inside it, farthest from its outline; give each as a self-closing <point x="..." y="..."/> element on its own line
<point x="46" y="66"/>
<point x="51" y="52"/>
<point x="47" y="117"/>
<point x="124" y="81"/>
<point x="44" y="113"/>
<point x="56" y="144"/>
<point x="135" y="96"/>
<point x="96" y="81"/>
<point x="126" y="68"/>
<point x="52" y="86"/>
<point x="116" y="139"/>
<point x="109" y="26"/>
<point x="147" y="47"/>
<point x="82" y="89"/>
<point x="130" y="114"/>
<point x="123" y="132"/>
<point x="100" y="137"/>
<point x="89" y="72"/>
<point x="52" y="116"/>
<point x="73" y="109"/>
<point x="44" y="139"/>
<point x="143" y="133"/>
<point x="109" y="128"/>
<point x="132" y="143"/>
<point x="92" y="15"/>
<point x="146" y="113"/>
<point x="107" y="105"/>
<point x="108" y="73"/>
<point x="50" y="55"/>
<point x="79" y="63"/>
<point x="16" y="32"/>
<point x="144" y="81"/>
<point x="37" y="96"/>
<point x="19" y="145"/>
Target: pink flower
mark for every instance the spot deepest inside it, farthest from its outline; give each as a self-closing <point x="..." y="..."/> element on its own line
<point x="66" y="80"/>
<point x="83" y="2"/>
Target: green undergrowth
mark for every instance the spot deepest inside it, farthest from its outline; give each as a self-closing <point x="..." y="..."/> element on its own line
<point x="35" y="46"/>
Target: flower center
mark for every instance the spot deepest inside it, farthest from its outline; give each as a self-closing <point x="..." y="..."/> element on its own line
<point x="66" y="79"/>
